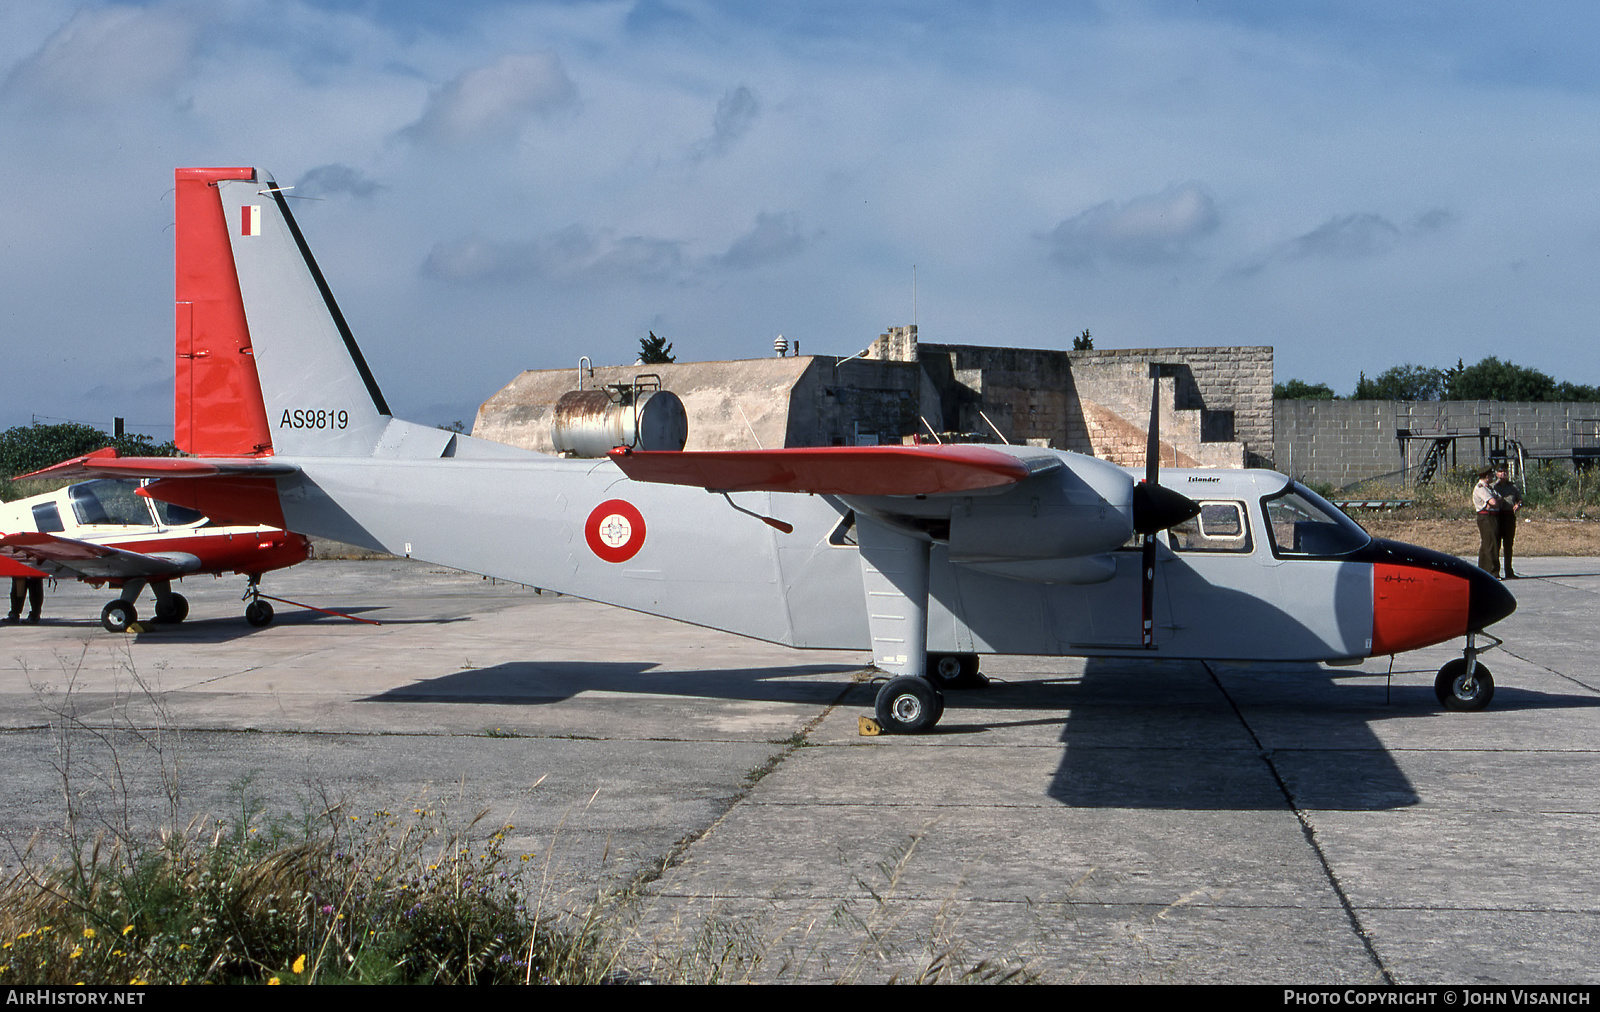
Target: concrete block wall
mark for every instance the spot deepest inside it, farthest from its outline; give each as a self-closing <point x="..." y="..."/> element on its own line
<point x="1343" y="442"/>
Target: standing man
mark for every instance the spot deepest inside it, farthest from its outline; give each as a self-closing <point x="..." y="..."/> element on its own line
<point x="1496" y="500"/>
<point x="30" y="588"/>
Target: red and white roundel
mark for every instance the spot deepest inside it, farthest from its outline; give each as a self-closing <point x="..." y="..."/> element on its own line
<point x="615" y="530"/>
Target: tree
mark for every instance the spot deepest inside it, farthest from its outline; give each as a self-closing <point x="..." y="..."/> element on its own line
<point x="1298" y="390"/>
<point x="1083" y="342"/>
<point x="31" y="447"/>
<point x="1494" y="380"/>
<point x="1402" y="383"/>
<point x="654" y="350"/>
<point x="1576" y="392"/>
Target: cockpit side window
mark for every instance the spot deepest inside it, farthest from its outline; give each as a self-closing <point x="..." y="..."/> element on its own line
<point x="1302" y="523"/>
<point x="1220" y="527"/>
<point x="176" y="516"/>
<point x="109" y="502"/>
<point x="46" y="518"/>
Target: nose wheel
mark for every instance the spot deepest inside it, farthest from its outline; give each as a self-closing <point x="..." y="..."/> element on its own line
<point x="1465" y="684"/>
<point x="259" y="611"/>
<point x="1461" y="689"/>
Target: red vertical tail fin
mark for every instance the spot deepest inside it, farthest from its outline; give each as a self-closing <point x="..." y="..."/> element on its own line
<point x="217" y="404"/>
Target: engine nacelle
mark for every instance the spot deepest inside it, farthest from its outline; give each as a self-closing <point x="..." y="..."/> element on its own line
<point x="1072" y="512"/>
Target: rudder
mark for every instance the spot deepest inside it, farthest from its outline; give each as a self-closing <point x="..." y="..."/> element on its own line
<point x="217" y="405"/>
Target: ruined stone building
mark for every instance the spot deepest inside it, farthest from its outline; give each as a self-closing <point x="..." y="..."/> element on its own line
<point x="1216" y="402"/>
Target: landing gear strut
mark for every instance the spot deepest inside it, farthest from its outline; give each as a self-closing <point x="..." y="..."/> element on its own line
<point x="259" y="611"/>
<point x="1465" y="684"/>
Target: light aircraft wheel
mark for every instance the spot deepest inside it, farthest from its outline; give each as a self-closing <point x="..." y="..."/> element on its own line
<point x="955" y="671"/>
<point x="177" y="609"/>
<point x="909" y="705"/>
<point x="1455" y="694"/>
<point x="118" y="615"/>
<point x="259" y="613"/>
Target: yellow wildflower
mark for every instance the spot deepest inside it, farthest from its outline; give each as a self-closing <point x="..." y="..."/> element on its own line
<point x="274" y="980"/>
<point x="76" y="952"/>
<point x="300" y="964"/>
<point x="88" y="932"/>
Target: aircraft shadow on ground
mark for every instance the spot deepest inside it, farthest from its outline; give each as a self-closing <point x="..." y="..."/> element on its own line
<point x="1282" y="732"/>
<point x="541" y="682"/>
<point x="1137" y="733"/>
<point x="228" y="629"/>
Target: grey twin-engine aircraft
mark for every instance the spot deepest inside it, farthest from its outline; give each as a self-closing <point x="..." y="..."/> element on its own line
<point x="927" y="555"/>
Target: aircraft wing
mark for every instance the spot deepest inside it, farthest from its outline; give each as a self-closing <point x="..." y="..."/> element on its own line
<point x="82" y="560"/>
<point x="107" y="464"/>
<point x="837" y="470"/>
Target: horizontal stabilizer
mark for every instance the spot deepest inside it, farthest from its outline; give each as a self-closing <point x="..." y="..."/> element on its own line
<point x="107" y="464"/>
<point x="836" y="470"/>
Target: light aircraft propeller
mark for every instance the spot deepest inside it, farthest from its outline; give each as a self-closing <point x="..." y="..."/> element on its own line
<point x="1154" y="510"/>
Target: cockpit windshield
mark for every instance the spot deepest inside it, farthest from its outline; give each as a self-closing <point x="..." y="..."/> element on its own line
<point x="1300" y="522"/>
<point x="109" y="501"/>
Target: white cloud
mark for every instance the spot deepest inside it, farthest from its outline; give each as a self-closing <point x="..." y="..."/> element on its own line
<point x="737" y="112"/>
<point x="573" y="256"/>
<point x="775" y="237"/>
<point x="495" y="100"/>
<point x="113" y="56"/>
<point x="1157" y="228"/>
<point x="327" y="180"/>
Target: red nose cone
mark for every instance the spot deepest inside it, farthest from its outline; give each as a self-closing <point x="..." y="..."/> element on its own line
<point x="1414" y="607"/>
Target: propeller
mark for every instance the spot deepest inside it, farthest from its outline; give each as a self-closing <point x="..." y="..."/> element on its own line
<point x="1154" y="510"/>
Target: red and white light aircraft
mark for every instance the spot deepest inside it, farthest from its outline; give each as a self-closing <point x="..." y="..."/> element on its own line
<point x="107" y="532"/>
<point x="928" y="556"/>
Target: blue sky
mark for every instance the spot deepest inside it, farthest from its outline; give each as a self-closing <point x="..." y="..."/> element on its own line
<point x="513" y="185"/>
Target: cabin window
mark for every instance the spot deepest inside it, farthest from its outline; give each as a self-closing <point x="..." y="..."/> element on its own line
<point x="1300" y="522"/>
<point x="176" y="516"/>
<point x="1220" y="527"/>
<point x="109" y="502"/>
<point x="47" y="518"/>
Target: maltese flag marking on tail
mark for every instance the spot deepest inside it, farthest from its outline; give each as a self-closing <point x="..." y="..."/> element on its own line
<point x="250" y="219"/>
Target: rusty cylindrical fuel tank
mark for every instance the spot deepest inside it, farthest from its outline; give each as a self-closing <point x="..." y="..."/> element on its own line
<point x="588" y="423"/>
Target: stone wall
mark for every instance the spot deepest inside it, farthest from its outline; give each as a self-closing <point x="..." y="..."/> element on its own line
<point x="737" y="405"/>
<point x="1092" y="402"/>
<point x="1217" y="412"/>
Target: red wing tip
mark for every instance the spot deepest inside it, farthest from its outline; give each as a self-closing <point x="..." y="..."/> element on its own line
<point x="107" y="463"/>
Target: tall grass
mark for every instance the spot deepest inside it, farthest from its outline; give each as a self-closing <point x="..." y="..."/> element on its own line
<point x="1549" y="488"/>
<point x="371" y="898"/>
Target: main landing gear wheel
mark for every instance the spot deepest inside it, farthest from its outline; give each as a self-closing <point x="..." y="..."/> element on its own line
<point x="258" y="613"/>
<point x="955" y="671"/>
<point x="118" y="615"/>
<point x="909" y="705"/>
<point x="1457" y="692"/>
<point x="176" y="610"/>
